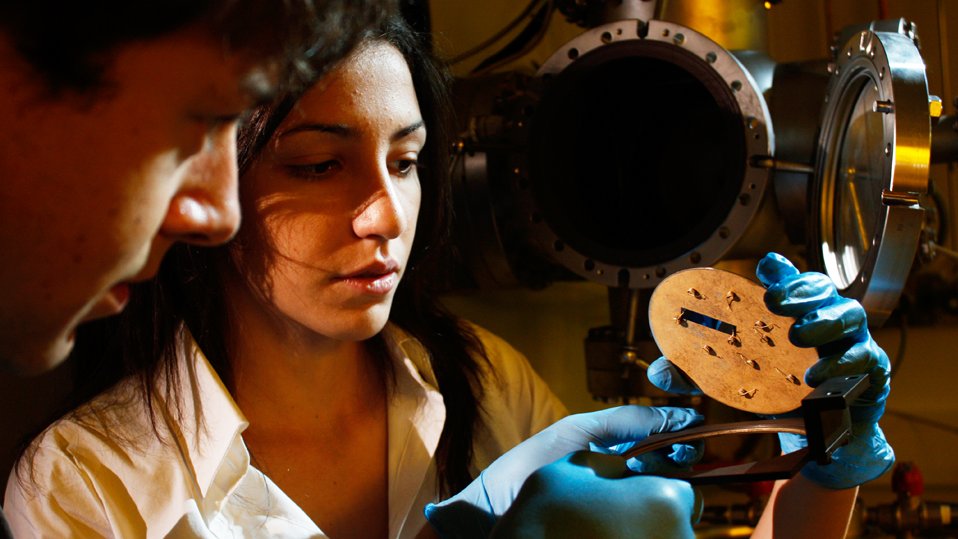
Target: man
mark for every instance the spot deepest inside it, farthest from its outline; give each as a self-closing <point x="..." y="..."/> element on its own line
<point x="118" y="141"/>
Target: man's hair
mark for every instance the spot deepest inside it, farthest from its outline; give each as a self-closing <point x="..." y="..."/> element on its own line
<point x="70" y="44"/>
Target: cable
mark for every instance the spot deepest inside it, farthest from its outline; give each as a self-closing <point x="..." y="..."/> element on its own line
<point x="923" y="421"/>
<point x="530" y="8"/>
<point x="938" y="249"/>
<point x="522" y="44"/>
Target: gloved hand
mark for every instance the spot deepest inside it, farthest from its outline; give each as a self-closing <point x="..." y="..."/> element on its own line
<point x="838" y="328"/>
<point x="473" y="512"/>
<point x="593" y="495"/>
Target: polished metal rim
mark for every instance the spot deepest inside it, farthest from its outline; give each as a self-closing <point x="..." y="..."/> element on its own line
<point x="756" y="128"/>
<point x="888" y="67"/>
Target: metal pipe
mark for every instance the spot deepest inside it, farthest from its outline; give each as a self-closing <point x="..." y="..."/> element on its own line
<point x="617" y="10"/>
<point x="733" y="24"/>
<point x="944" y="139"/>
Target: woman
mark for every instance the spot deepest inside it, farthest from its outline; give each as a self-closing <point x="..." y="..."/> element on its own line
<point x="303" y="380"/>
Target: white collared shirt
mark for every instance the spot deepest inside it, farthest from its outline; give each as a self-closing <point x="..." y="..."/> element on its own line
<point x="114" y="477"/>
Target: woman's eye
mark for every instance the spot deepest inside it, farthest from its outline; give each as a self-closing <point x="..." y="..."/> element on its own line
<point x="406" y="167"/>
<point x="315" y="170"/>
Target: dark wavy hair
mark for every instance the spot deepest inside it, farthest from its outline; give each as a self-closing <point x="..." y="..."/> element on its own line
<point x="144" y="341"/>
<point x="70" y="44"/>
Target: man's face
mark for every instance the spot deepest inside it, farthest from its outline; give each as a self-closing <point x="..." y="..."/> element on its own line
<point x="95" y="188"/>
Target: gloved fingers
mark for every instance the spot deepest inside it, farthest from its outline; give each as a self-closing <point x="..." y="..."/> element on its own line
<point x="653" y="463"/>
<point x="867" y="413"/>
<point x="687" y="454"/>
<point x="867" y="456"/>
<point x="861" y="358"/>
<point x="842" y="319"/>
<point x="664" y="461"/>
<point x="610" y="467"/>
<point x="666" y="376"/>
<point x="459" y="519"/>
<point x="491" y="494"/>
<point x="604" y="465"/>
<point x="616" y="449"/>
<point x="698" y="505"/>
<point x="470" y="514"/>
<point x="583" y="495"/>
<point x="801" y="294"/>
<point x="682" y="454"/>
<point x="774" y="267"/>
<point x="625" y="424"/>
<point x="791" y="442"/>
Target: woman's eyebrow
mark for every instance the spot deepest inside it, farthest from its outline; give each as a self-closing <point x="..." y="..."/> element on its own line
<point x="345" y="131"/>
<point x="406" y="131"/>
<point x="340" y="130"/>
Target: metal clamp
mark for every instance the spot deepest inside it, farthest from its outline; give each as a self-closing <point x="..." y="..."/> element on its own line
<point x="825" y="422"/>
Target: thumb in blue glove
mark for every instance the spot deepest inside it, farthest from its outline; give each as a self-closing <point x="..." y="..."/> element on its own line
<point x="593" y="495"/>
<point x="473" y="511"/>
<point x="837" y="327"/>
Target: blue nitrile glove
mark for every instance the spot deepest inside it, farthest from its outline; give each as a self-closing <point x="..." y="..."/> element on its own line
<point x="592" y="495"/>
<point x="473" y="512"/>
<point x="838" y="328"/>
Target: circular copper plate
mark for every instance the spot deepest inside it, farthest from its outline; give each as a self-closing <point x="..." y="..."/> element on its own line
<point x="713" y="324"/>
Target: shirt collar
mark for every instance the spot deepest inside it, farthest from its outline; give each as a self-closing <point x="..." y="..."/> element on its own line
<point x="416" y="415"/>
<point x="209" y="431"/>
<point x="409" y="355"/>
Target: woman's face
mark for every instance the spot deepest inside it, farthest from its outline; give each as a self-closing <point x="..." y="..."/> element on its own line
<point x="335" y="195"/>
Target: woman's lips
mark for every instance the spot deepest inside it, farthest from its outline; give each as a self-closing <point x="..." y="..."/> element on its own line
<point x="378" y="278"/>
<point x="372" y="283"/>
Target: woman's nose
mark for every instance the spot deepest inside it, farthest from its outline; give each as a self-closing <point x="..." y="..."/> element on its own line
<point x="382" y="215"/>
